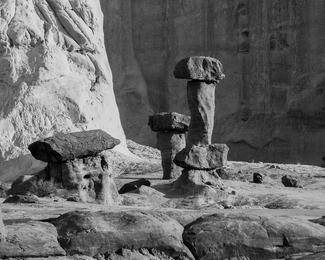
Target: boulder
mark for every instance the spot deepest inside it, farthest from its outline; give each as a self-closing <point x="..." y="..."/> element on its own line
<point x="199" y="68"/>
<point x="221" y="236"/>
<point x="31" y="239"/>
<point x="169" y="144"/>
<point x="290" y="182"/>
<point x="91" y="233"/>
<point x="22" y="199"/>
<point x="63" y="147"/>
<point x="257" y="177"/>
<point x="206" y="157"/>
<point x="134" y="185"/>
<point x="164" y="122"/>
<point x="320" y="221"/>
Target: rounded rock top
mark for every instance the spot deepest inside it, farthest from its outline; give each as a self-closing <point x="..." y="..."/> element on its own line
<point x="200" y="68"/>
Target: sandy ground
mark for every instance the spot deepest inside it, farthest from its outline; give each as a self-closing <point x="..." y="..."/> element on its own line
<point x="308" y="202"/>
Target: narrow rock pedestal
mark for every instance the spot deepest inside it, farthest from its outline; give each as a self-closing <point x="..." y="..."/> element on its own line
<point x="171" y="129"/>
<point x="200" y="158"/>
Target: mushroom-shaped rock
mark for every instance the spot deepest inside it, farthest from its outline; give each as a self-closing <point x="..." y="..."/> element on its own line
<point x="199" y="68"/>
<point x="207" y="157"/>
<point x="164" y="122"/>
<point x="63" y="147"/>
<point x="170" y="128"/>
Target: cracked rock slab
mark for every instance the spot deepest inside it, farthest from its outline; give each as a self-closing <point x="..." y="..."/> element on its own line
<point x="221" y="236"/>
<point x="91" y="233"/>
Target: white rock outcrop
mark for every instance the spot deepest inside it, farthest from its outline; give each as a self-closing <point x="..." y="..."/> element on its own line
<point x="54" y="77"/>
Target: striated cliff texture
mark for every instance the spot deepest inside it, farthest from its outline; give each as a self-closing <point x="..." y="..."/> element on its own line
<point x="270" y="106"/>
<point x="54" y="77"/>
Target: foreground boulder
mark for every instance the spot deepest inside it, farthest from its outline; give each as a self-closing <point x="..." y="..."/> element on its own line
<point x="91" y="233"/>
<point x="221" y="236"/>
<point x="63" y="147"/>
<point x="31" y="239"/>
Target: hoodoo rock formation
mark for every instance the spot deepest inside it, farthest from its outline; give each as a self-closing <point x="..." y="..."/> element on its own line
<point x="54" y="77"/>
<point x="200" y="158"/>
<point x="271" y="104"/>
<point x="171" y="129"/>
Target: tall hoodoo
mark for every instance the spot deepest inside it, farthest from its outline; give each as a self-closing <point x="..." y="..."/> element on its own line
<point x="200" y="158"/>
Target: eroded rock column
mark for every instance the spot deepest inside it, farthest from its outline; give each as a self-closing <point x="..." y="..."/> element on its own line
<point x="74" y="160"/>
<point x="171" y="129"/>
<point x="200" y="158"/>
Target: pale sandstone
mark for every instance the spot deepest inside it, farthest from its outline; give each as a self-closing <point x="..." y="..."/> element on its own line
<point x="55" y="77"/>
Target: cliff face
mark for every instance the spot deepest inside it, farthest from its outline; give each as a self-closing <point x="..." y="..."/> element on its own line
<point x="54" y="77"/>
<point x="270" y="106"/>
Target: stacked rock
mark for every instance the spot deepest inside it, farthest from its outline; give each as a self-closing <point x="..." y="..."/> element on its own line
<point x="171" y="129"/>
<point x="200" y="157"/>
<point x="74" y="161"/>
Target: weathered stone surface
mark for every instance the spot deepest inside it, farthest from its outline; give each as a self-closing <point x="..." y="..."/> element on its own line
<point x="3" y="232"/>
<point x="55" y="77"/>
<point x="91" y="233"/>
<point x="320" y="221"/>
<point x="134" y="185"/>
<point x="202" y="157"/>
<point x="22" y="199"/>
<point x="169" y="144"/>
<point x="163" y="122"/>
<point x="257" y="237"/>
<point x="201" y="102"/>
<point x="64" y="147"/>
<point x="199" y="68"/>
<point x="257" y="177"/>
<point x="290" y="182"/>
<point x="197" y="183"/>
<point x="31" y="239"/>
<point x="91" y="177"/>
<point x="270" y="105"/>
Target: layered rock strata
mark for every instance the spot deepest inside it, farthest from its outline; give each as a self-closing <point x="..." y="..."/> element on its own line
<point x="73" y="161"/>
<point x="270" y="106"/>
<point x="200" y="157"/>
<point x="171" y="129"/>
<point x="54" y="77"/>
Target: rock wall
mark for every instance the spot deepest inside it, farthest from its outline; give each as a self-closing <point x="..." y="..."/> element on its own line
<point x="270" y="107"/>
<point x="54" y="77"/>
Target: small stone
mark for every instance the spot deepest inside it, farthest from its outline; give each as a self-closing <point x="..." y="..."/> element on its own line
<point x="203" y="157"/>
<point x="163" y="122"/>
<point x="134" y="185"/>
<point x="290" y="182"/>
<point x="257" y="177"/>
<point x="199" y="68"/>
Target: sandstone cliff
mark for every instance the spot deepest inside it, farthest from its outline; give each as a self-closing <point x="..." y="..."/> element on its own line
<point x="54" y="76"/>
<point x="270" y="107"/>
